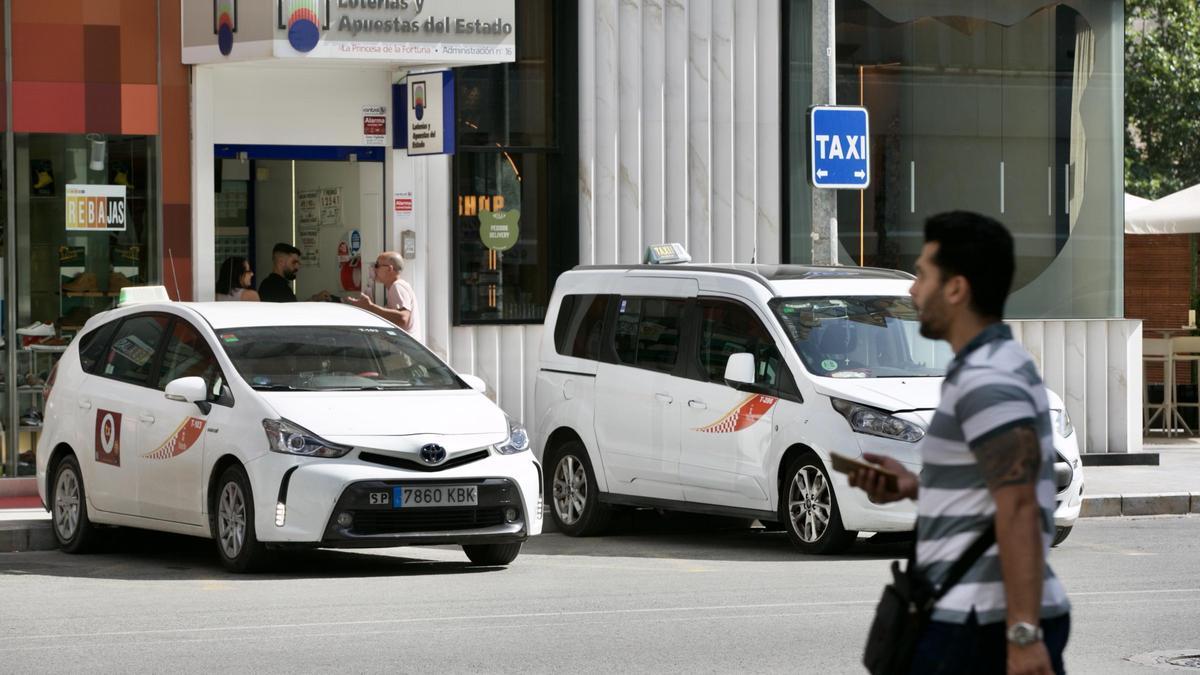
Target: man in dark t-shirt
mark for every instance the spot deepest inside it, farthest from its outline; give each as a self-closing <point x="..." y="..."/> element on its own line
<point x="276" y="287"/>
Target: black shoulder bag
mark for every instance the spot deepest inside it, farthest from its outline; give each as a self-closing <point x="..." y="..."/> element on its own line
<point x="906" y="606"/>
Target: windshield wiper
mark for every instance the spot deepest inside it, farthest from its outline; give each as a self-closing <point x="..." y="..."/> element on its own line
<point x="278" y="387"/>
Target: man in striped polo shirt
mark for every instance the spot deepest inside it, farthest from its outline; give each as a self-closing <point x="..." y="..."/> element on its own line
<point x="988" y="456"/>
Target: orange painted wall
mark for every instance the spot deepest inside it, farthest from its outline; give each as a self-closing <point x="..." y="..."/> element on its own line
<point x="92" y="66"/>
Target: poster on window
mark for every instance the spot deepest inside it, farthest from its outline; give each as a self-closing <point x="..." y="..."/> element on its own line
<point x="331" y="207"/>
<point x="308" y="225"/>
<point x="96" y="208"/>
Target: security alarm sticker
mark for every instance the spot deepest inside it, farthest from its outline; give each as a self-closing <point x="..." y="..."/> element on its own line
<point x="180" y="440"/>
<point x="108" y="437"/>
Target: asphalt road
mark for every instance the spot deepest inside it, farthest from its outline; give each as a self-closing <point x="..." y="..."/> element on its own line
<point x="659" y="595"/>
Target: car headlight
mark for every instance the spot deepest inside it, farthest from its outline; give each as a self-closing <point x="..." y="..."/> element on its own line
<point x="518" y="440"/>
<point x="867" y="420"/>
<point x="1062" y="422"/>
<point x="292" y="439"/>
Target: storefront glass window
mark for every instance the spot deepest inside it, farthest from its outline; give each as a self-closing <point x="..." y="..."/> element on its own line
<point x="514" y="196"/>
<point x="85" y="207"/>
<point x="1008" y="109"/>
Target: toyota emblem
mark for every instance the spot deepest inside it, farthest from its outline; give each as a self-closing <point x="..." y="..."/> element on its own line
<point x="433" y="454"/>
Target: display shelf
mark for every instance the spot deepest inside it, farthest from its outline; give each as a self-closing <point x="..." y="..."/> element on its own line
<point x="45" y="349"/>
<point x="91" y="294"/>
<point x="30" y="389"/>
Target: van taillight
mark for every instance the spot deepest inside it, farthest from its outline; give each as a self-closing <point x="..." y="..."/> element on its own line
<point x="49" y="383"/>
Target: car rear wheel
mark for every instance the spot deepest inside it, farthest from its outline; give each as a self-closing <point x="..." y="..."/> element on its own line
<point x="808" y="508"/>
<point x="492" y="554"/>
<point x="233" y="523"/>
<point x="574" y="497"/>
<point x="68" y="506"/>
<point x="1061" y="534"/>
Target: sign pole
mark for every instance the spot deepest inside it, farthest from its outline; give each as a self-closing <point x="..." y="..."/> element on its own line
<point x="824" y="89"/>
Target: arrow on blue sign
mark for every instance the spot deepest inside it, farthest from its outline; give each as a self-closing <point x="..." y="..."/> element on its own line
<point x="839" y="147"/>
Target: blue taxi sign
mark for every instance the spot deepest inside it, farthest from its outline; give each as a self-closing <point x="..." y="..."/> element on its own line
<point x="839" y="147"/>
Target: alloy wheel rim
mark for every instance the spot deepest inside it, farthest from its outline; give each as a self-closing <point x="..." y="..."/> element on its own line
<point x="809" y="504"/>
<point x="570" y="489"/>
<point x="231" y="520"/>
<point x="66" y="504"/>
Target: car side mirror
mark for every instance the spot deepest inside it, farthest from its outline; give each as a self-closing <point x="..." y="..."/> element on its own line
<point x="475" y="383"/>
<point x="189" y="390"/>
<point x="739" y="369"/>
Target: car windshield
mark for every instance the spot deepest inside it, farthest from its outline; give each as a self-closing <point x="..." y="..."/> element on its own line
<point x="868" y="336"/>
<point x="334" y="358"/>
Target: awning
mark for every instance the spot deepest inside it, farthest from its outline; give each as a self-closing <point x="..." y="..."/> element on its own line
<point x="1177" y="213"/>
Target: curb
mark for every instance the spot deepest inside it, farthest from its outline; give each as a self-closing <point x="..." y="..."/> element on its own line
<point x="26" y="535"/>
<point x="1161" y="504"/>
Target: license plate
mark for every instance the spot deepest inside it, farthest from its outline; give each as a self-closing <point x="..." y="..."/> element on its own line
<point x="438" y="495"/>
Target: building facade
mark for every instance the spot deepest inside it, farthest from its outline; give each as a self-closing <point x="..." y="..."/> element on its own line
<point x="95" y="112"/>
<point x="582" y="132"/>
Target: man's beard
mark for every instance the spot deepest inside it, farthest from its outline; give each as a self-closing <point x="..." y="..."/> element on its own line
<point x="930" y="330"/>
<point x="289" y="275"/>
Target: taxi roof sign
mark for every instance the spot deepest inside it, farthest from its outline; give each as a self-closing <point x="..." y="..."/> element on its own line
<point x="662" y="254"/>
<point x="137" y="295"/>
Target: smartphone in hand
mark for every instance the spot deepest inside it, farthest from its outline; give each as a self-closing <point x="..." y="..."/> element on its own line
<point x="844" y="464"/>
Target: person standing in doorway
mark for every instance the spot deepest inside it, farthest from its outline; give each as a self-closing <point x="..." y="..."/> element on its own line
<point x="285" y="259"/>
<point x="987" y="458"/>
<point x="401" y="300"/>
<point x="235" y="281"/>
<point x="276" y="287"/>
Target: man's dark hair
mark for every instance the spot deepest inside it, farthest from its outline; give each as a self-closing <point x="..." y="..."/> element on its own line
<point x="285" y="249"/>
<point x="978" y="248"/>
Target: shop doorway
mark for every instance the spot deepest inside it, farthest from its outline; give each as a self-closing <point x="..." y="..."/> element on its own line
<point x="314" y="198"/>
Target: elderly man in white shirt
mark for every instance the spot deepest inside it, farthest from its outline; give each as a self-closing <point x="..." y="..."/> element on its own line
<point x="401" y="300"/>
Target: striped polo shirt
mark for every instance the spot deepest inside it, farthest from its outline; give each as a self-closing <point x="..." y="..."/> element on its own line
<point x="991" y="386"/>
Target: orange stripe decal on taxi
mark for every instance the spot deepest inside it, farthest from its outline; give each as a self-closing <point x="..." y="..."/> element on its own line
<point x="183" y="438"/>
<point x="744" y="415"/>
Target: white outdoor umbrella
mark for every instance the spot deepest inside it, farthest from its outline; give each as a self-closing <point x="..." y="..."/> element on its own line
<point x="1177" y="213"/>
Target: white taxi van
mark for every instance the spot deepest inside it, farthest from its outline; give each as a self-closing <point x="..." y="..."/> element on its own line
<point x="266" y="426"/>
<point x="723" y="389"/>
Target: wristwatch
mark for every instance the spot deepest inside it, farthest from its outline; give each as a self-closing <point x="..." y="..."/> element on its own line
<point x="1024" y="634"/>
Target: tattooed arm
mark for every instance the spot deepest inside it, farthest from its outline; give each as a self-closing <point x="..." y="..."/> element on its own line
<point x="1011" y="461"/>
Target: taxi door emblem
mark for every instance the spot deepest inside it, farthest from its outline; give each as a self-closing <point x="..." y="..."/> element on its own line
<point x="108" y="437"/>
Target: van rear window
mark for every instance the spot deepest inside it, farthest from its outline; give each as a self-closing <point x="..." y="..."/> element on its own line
<point x="580" y="325"/>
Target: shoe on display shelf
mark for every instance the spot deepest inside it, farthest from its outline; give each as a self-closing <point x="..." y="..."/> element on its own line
<point x="84" y="282"/>
<point x="37" y="329"/>
<point x="50" y="344"/>
<point x="32" y="418"/>
<point x="117" y="281"/>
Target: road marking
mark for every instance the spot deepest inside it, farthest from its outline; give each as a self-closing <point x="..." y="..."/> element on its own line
<point x="526" y="615"/>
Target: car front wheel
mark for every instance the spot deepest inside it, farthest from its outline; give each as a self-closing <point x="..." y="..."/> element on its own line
<point x="808" y="508"/>
<point x="492" y="554"/>
<point x="68" y="506"/>
<point x="574" y="498"/>
<point x="233" y="523"/>
<point x="1061" y="534"/>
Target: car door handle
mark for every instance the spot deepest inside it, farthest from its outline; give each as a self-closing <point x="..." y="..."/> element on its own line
<point x="85" y="404"/>
<point x="699" y="405"/>
<point x="665" y="398"/>
<point x="147" y="418"/>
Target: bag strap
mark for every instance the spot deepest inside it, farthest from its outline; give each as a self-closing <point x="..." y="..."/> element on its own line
<point x="968" y="558"/>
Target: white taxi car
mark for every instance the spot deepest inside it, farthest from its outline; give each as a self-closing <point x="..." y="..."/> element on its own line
<point x="266" y="426"/>
<point x="724" y="389"/>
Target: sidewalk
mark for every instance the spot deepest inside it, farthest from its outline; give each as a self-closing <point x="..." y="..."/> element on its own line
<point x="1172" y="487"/>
